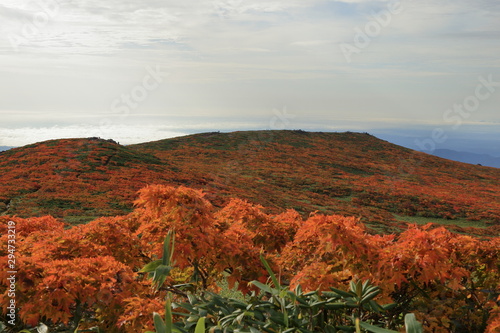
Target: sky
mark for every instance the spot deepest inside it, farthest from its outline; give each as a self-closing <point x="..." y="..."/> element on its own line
<point x="424" y="74"/>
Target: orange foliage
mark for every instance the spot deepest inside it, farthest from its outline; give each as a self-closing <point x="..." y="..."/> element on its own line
<point x="91" y="271"/>
<point x="368" y="177"/>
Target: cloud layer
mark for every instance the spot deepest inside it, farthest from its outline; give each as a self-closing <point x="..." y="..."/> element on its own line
<point x="77" y="62"/>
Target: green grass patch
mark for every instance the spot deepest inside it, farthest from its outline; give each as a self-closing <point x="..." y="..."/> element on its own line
<point x="461" y="222"/>
<point x="345" y="199"/>
<point x="76" y="220"/>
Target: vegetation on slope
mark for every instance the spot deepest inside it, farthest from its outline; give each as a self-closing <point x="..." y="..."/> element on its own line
<point x="353" y="174"/>
<point x="83" y="178"/>
<point x="348" y="173"/>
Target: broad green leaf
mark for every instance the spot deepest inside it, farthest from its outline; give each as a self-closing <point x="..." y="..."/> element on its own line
<point x="334" y="306"/>
<point x="200" y="326"/>
<point x="370" y="289"/>
<point x="375" y="306"/>
<point x="160" y="326"/>
<point x="389" y="306"/>
<point x="298" y="290"/>
<point x="366" y="284"/>
<point x="151" y="266"/>
<point x="370" y="296"/>
<point x="318" y="303"/>
<point x="264" y="287"/>
<point x="352" y="304"/>
<point x="356" y="288"/>
<point x="168" y="248"/>
<point x="160" y="275"/>
<point x="352" y="287"/>
<point x="311" y="293"/>
<point x="302" y="301"/>
<point x="277" y="318"/>
<point x="341" y="292"/>
<point x="412" y="324"/>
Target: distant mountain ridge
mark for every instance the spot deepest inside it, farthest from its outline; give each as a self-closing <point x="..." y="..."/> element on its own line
<point x="4" y="148"/>
<point x="468" y="157"/>
<point x="353" y="174"/>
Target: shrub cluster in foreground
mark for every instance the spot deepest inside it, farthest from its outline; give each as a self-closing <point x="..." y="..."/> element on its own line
<point x="88" y="276"/>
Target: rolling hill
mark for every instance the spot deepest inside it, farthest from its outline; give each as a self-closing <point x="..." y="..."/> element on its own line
<point x="345" y="173"/>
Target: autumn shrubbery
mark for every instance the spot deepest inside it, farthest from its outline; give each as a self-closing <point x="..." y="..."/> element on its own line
<point x="89" y="276"/>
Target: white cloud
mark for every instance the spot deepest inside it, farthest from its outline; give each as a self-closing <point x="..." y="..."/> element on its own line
<point x="122" y="134"/>
<point x="238" y="57"/>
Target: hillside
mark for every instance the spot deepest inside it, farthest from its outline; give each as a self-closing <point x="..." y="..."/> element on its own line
<point x="346" y="173"/>
<point x="79" y="179"/>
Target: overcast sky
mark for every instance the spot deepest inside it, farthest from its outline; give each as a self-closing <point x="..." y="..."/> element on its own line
<point x="137" y="71"/>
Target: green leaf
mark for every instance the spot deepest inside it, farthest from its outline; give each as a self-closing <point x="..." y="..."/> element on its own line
<point x="352" y="304"/>
<point x="200" y="326"/>
<point x="342" y="293"/>
<point x="168" y="248"/>
<point x="366" y="284"/>
<point x="412" y="324"/>
<point x="370" y="289"/>
<point x="160" y="275"/>
<point x="271" y="273"/>
<point x="318" y="303"/>
<point x="298" y="290"/>
<point x="375" y="329"/>
<point x="264" y="287"/>
<point x="370" y="296"/>
<point x="290" y="330"/>
<point x="356" y="288"/>
<point x="277" y="318"/>
<point x="160" y="326"/>
<point x="375" y="306"/>
<point x="389" y="306"/>
<point x="151" y="266"/>
<point x="168" y="314"/>
<point x="302" y="301"/>
<point x="334" y="306"/>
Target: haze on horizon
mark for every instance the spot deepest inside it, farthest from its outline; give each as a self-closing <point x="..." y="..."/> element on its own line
<point x="142" y="71"/>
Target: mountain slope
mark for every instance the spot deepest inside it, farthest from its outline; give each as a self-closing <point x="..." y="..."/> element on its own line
<point x="74" y="177"/>
<point x="348" y="173"/>
<point x="344" y="173"/>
